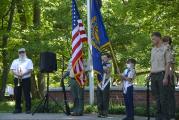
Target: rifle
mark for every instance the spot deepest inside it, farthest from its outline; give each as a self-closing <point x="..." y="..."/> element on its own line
<point x="148" y="96"/>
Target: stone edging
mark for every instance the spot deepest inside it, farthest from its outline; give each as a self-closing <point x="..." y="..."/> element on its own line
<point x="114" y="88"/>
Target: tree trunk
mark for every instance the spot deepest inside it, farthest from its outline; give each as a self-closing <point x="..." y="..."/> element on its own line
<point x="36" y="22"/>
<point x="34" y="91"/>
<point x="36" y="11"/>
<point x="4" y="50"/>
<point x="5" y="65"/>
<point x="21" y="12"/>
<point x="41" y="83"/>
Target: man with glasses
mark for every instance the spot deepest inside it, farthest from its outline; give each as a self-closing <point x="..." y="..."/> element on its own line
<point x="22" y="68"/>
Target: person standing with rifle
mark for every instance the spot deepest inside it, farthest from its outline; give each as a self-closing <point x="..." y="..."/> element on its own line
<point x="103" y="88"/>
<point x="76" y="90"/>
<point x="160" y="65"/>
<point x="22" y="69"/>
<point x="128" y="77"/>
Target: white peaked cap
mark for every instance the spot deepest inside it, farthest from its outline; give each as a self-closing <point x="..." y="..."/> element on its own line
<point x="21" y="50"/>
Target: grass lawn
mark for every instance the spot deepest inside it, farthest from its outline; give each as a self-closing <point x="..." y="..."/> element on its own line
<point x="8" y="106"/>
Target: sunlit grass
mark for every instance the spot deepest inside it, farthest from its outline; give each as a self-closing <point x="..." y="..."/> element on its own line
<point x="140" y="110"/>
<point x="7" y="106"/>
<point x="10" y="103"/>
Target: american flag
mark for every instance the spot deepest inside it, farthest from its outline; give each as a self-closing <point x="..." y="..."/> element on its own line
<point x="78" y="37"/>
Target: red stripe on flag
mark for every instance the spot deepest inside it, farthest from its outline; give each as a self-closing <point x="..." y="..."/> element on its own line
<point x="76" y="57"/>
<point x="76" y="46"/>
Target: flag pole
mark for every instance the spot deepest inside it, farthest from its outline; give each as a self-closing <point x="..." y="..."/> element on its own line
<point x="91" y="75"/>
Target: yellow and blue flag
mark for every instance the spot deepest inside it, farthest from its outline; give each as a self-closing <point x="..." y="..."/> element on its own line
<point x="99" y="38"/>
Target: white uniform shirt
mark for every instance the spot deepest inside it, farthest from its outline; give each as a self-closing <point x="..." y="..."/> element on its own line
<point x="23" y="66"/>
<point x="129" y="73"/>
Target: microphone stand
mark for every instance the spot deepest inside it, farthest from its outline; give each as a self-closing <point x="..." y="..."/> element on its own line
<point x="148" y="97"/>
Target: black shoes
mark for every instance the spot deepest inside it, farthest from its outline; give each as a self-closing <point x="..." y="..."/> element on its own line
<point x="76" y="114"/>
<point x="126" y="118"/>
<point x="17" y="111"/>
<point x="20" y="111"/>
<point x="28" y="112"/>
<point x="102" y="115"/>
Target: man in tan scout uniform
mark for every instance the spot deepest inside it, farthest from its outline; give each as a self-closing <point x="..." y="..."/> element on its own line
<point x="76" y="91"/>
<point x="167" y="41"/>
<point x="160" y="64"/>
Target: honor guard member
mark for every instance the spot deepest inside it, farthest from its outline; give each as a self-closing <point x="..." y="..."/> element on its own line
<point x="103" y="89"/>
<point x="160" y="60"/>
<point x="167" y="41"/>
<point x="128" y="77"/>
<point x="22" y="69"/>
<point x="76" y="91"/>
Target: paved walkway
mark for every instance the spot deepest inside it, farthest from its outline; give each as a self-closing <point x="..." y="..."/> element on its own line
<point x="52" y="116"/>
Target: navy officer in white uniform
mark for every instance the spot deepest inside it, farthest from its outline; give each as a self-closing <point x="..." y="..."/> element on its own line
<point x="22" y="68"/>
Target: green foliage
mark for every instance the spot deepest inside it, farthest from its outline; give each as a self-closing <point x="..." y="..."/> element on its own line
<point x="140" y="110"/>
<point x="7" y="106"/>
<point x="128" y="25"/>
<point x="90" y="109"/>
<point x="4" y="7"/>
<point x="116" y="109"/>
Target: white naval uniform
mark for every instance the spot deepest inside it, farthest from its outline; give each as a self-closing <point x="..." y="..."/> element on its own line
<point x="22" y="66"/>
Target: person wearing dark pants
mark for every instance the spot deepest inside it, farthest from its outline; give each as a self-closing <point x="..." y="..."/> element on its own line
<point x="22" y="68"/>
<point x="160" y="67"/>
<point x="77" y="91"/>
<point x="161" y="94"/>
<point x="172" y="99"/>
<point x="128" y="77"/>
<point x="167" y="41"/>
<point x="78" y="97"/>
<point x="103" y="100"/>
<point x="103" y="88"/>
<point x="128" y="99"/>
<point x="26" y="86"/>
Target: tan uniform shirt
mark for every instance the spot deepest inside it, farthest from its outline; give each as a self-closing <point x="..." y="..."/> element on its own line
<point x="159" y="58"/>
<point x="172" y="59"/>
<point x="70" y="69"/>
<point x="172" y="55"/>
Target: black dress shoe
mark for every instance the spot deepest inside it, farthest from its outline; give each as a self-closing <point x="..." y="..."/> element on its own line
<point x="17" y="111"/>
<point x="126" y="118"/>
<point x="77" y="114"/>
<point x="100" y="115"/>
<point x="74" y="114"/>
<point x="28" y="112"/>
<point x="104" y="116"/>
